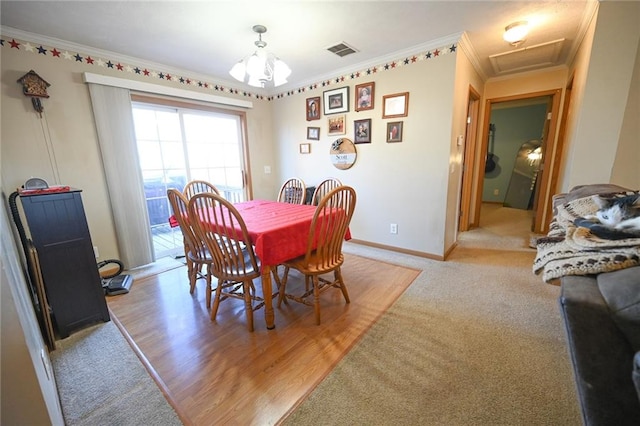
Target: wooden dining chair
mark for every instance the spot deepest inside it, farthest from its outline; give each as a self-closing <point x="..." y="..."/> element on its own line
<point x="198" y="186"/>
<point x="234" y="263"/>
<point x="196" y="253"/>
<point x="324" y="250"/>
<point x="323" y="189"/>
<point x="293" y="191"/>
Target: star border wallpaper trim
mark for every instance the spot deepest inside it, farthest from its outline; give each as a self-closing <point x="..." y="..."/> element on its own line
<point x="86" y="59"/>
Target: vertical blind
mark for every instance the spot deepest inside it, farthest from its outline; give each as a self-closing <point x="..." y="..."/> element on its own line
<point x="116" y="136"/>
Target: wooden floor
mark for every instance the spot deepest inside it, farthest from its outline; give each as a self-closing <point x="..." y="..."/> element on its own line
<point x="219" y="373"/>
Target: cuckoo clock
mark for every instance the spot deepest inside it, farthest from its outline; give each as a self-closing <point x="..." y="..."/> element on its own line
<point x="35" y="87"/>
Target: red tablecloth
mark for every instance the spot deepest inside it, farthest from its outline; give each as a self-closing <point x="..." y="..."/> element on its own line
<point x="278" y="231"/>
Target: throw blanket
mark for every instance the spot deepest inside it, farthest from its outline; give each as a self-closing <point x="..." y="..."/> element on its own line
<point x="569" y="249"/>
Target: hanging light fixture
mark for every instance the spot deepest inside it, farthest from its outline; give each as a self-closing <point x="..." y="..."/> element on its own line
<point x="515" y="33"/>
<point x="262" y="66"/>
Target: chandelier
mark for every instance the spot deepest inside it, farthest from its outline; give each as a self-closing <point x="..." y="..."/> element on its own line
<point x="262" y="66"/>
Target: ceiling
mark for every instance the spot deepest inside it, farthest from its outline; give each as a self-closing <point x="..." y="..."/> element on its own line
<point x="207" y="37"/>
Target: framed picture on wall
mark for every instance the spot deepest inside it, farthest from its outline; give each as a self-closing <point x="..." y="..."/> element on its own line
<point x="313" y="133"/>
<point x="337" y="125"/>
<point x="336" y="100"/>
<point x="305" y="148"/>
<point x="313" y="108"/>
<point x="394" y="131"/>
<point x="365" y="96"/>
<point x="396" y="105"/>
<point x="362" y="131"/>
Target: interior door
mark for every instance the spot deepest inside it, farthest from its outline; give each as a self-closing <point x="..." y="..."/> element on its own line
<point x="466" y="186"/>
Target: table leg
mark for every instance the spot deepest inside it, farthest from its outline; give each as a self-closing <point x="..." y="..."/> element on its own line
<point x="268" y="300"/>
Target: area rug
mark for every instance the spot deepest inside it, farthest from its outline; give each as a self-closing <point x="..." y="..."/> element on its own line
<point x="219" y="373"/>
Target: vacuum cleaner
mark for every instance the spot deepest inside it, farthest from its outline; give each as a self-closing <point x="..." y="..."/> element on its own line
<point x="113" y="281"/>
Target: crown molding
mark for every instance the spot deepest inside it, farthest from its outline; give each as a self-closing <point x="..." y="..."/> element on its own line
<point x="63" y="44"/>
<point x="472" y="55"/>
<point x="397" y="55"/>
<point x="272" y="92"/>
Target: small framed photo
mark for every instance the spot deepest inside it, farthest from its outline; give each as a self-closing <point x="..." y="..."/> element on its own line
<point x="305" y="148"/>
<point x="313" y="133"/>
<point x="337" y="125"/>
<point x="396" y="105"/>
<point x="362" y="131"/>
<point x="313" y="108"/>
<point x="365" y="96"/>
<point x="336" y="100"/>
<point x="394" y="131"/>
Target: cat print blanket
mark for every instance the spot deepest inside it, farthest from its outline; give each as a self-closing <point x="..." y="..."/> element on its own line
<point x="569" y="249"/>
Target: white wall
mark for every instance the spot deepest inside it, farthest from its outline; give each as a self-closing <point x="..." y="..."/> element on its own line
<point x="29" y="395"/>
<point x="466" y="78"/>
<point x="404" y="183"/>
<point x="603" y="80"/>
<point x="626" y="171"/>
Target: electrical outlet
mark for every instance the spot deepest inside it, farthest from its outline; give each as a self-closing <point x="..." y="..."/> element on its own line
<point x="496" y="192"/>
<point x="95" y="251"/>
<point x="393" y="228"/>
<point x="267" y="170"/>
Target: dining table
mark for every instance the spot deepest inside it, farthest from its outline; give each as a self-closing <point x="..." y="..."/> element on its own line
<point x="279" y="232"/>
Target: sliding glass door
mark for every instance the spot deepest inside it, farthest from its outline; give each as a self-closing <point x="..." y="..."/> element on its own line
<point x="177" y="145"/>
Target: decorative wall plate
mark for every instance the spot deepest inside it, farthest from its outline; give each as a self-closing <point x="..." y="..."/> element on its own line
<point x="343" y="153"/>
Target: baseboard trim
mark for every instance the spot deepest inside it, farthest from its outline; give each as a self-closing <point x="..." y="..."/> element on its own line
<point x="398" y="249"/>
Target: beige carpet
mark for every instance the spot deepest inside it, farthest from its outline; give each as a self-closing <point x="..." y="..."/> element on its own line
<point x="101" y="381"/>
<point x="475" y="340"/>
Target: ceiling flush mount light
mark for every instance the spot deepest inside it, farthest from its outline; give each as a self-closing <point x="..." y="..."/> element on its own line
<point x="515" y="33"/>
<point x="262" y="66"/>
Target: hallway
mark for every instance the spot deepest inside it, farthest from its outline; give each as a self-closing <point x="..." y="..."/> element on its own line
<point x="500" y="228"/>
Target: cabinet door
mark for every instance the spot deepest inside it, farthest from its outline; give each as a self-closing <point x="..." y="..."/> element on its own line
<point x="60" y="234"/>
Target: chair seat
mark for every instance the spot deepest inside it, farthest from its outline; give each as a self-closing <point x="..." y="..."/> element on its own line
<point x="203" y="257"/>
<point x="248" y="272"/>
<point x="314" y="264"/>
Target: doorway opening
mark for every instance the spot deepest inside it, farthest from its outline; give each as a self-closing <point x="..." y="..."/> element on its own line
<point x="492" y="184"/>
<point x="515" y="149"/>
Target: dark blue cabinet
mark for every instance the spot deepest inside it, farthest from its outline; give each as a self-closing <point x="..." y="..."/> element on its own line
<point x="60" y="234"/>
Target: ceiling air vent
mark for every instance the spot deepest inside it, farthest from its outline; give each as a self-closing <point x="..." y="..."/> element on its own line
<point x="342" y="49"/>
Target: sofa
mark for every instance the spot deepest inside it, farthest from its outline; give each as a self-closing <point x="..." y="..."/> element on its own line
<point x="601" y="315"/>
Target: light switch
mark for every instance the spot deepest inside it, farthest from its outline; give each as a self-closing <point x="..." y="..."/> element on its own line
<point x="267" y="170"/>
